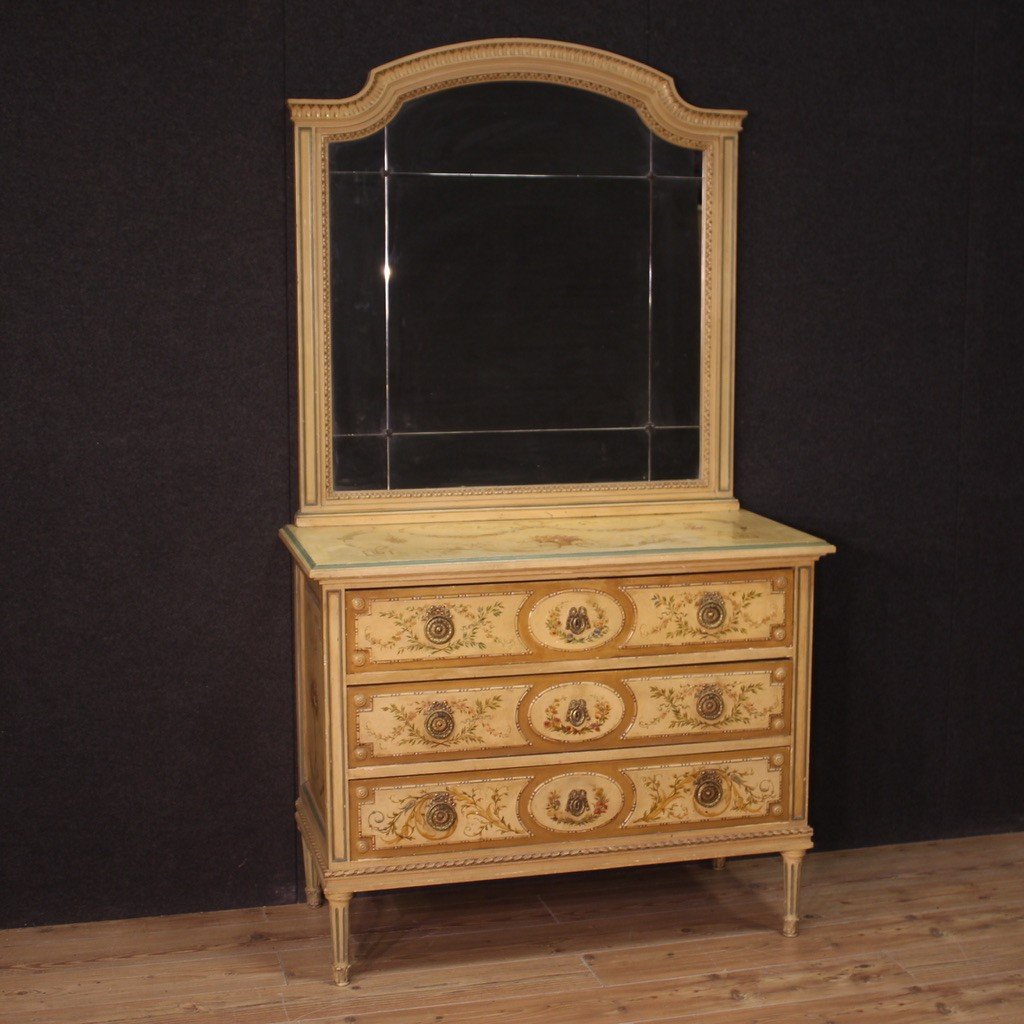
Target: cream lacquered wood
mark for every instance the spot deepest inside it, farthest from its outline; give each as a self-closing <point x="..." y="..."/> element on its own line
<point x="599" y="708"/>
<point x="495" y="682"/>
<point x="482" y="625"/>
<point x="372" y="773"/>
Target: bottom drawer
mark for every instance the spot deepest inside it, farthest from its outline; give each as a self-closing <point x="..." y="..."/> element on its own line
<point x="634" y="796"/>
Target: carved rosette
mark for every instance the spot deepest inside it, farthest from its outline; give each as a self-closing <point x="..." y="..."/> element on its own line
<point x="579" y="802"/>
<point x="576" y="712"/>
<point x="576" y="620"/>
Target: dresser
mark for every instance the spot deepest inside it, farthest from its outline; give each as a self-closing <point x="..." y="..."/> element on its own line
<point x="529" y="640"/>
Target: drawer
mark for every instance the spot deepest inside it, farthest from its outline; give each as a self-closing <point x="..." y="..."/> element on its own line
<point x="409" y="722"/>
<point x="636" y="796"/>
<point x="419" y="627"/>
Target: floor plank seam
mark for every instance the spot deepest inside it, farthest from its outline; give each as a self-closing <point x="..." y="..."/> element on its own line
<point x="958" y="925"/>
<point x="593" y="974"/>
<point x="139" y="959"/>
<point x="284" y="1008"/>
<point x="554" y="916"/>
<point x="284" y="971"/>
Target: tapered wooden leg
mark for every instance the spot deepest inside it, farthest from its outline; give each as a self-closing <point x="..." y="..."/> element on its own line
<point x="314" y="890"/>
<point x="718" y="864"/>
<point x="792" y="860"/>
<point x="339" y="903"/>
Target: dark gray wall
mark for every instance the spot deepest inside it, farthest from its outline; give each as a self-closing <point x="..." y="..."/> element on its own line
<point x="145" y="292"/>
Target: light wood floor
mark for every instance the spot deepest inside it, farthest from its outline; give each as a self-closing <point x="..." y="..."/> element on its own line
<point x="929" y="932"/>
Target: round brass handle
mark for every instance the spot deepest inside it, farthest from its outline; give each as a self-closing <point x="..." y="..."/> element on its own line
<point x="711" y="613"/>
<point x="710" y="705"/>
<point x="577" y="621"/>
<point x="577" y="713"/>
<point x="439" y="722"/>
<point x="439" y="628"/>
<point x="441" y="814"/>
<point x="708" y="789"/>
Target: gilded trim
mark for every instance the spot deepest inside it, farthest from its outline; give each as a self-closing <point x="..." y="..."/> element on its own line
<point x="650" y="92"/>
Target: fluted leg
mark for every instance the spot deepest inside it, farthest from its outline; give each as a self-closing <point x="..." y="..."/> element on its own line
<point x="339" y="903"/>
<point x="314" y="890"/>
<point x="792" y="860"/>
<point x="718" y="864"/>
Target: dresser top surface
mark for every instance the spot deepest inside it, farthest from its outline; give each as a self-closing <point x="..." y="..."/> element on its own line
<point x="335" y="549"/>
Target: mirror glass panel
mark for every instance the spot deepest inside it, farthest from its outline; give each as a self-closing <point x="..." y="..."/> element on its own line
<point x="515" y="294"/>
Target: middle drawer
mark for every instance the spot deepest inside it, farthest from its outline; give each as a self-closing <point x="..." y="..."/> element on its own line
<point x="403" y="723"/>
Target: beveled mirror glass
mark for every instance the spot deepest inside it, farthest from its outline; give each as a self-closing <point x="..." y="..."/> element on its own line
<point x="521" y="291"/>
<point x="515" y="294"/>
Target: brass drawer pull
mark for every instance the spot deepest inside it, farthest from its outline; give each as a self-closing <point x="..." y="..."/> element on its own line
<point x="577" y="621"/>
<point x="711" y="613"/>
<point x="441" y="815"/>
<point x="439" y="628"/>
<point x="708" y="789"/>
<point x="577" y="803"/>
<point x="439" y="722"/>
<point x="710" y="705"/>
<point x="577" y="714"/>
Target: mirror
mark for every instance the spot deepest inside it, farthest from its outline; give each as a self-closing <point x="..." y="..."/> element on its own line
<point x="515" y="263"/>
<point x="515" y="294"/>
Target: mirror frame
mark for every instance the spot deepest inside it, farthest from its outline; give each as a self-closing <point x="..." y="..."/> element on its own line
<point x="653" y="95"/>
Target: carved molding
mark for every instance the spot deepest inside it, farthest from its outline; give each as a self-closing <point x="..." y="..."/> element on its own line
<point x="652" y="93"/>
<point x="680" y="840"/>
<point x="308" y="831"/>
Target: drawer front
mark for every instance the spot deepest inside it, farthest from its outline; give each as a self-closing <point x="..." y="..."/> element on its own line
<point x="411" y="627"/>
<point x="403" y="723"/>
<point x="722" y="611"/>
<point x="417" y="627"/>
<point x="475" y="810"/>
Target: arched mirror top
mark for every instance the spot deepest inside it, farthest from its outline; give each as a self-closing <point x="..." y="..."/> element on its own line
<point x="515" y="269"/>
<point x="651" y="93"/>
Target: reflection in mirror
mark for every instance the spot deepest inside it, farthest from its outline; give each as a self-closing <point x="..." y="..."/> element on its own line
<point x="515" y="294"/>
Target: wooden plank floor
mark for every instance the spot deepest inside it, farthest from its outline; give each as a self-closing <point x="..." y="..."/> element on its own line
<point x="928" y="932"/>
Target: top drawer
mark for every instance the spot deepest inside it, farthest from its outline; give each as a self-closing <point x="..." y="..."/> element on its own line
<point x="505" y="623"/>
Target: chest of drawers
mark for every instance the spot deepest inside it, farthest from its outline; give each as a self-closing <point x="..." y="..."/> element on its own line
<point x="549" y="701"/>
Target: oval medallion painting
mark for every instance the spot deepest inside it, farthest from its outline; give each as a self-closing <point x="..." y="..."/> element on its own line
<point x="576" y="803"/>
<point x="576" y="712"/>
<point x="576" y="620"/>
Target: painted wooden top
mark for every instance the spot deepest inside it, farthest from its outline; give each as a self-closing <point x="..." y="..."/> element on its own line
<point x="330" y="550"/>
